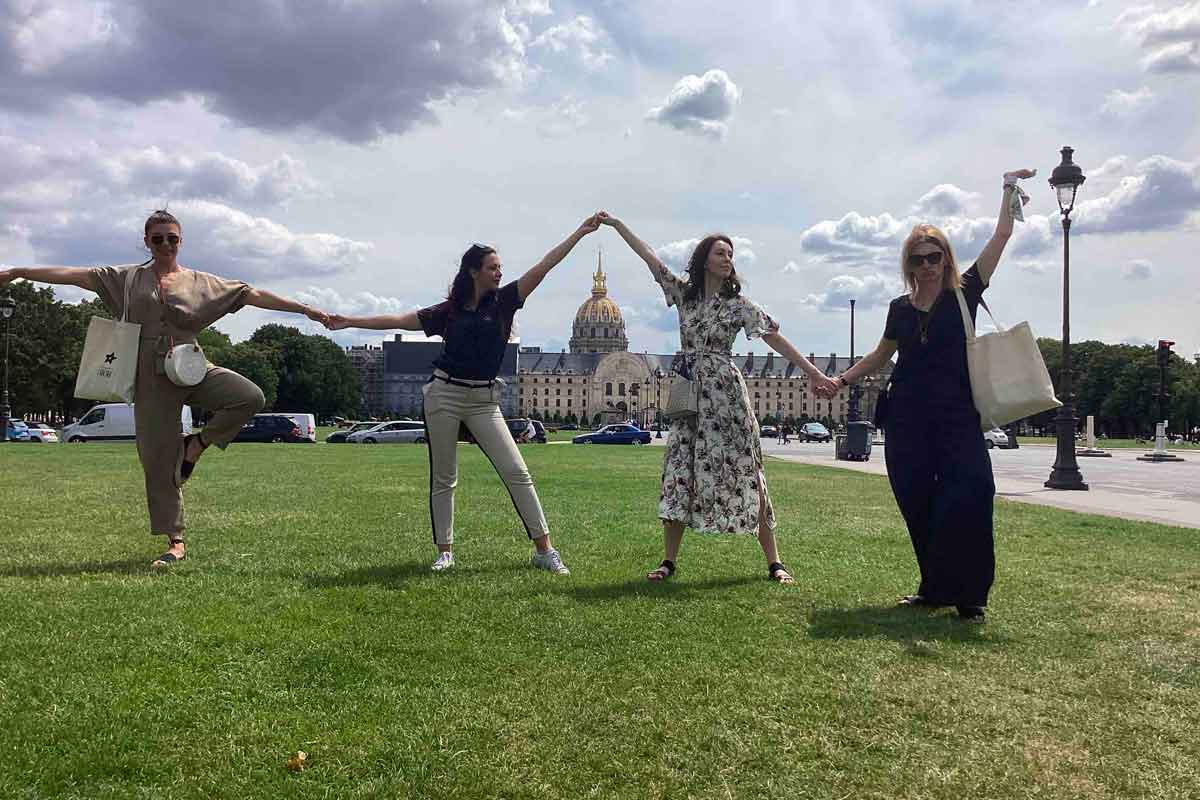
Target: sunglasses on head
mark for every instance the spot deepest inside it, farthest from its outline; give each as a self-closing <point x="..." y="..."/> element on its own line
<point x="158" y="238"/>
<point x="932" y="259"/>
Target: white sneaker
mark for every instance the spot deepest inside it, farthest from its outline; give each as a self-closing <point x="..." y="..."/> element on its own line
<point x="444" y="561"/>
<point x="550" y="561"/>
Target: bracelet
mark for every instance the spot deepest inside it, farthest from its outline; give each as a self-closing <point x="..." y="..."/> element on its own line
<point x="842" y="380"/>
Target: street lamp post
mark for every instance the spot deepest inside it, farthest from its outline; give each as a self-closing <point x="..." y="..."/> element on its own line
<point x="852" y="412"/>
<point x="7" y="306"/>
<point x="1066" y="180"/>
<point x="658" y="376"/>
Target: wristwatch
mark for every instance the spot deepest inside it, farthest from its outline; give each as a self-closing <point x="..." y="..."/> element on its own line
<point x="842" y="380"/>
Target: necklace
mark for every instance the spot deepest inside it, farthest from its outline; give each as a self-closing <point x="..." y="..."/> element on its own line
<point x="924" y="318"/>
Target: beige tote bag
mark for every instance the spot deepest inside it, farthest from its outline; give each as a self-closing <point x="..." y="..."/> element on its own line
<point x="1009" y="380"/>
<point x="108" y="367"/>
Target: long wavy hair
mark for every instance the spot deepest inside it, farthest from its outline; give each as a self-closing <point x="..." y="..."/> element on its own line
<point x="731" y="288"/>
<point x="462" y="288"/>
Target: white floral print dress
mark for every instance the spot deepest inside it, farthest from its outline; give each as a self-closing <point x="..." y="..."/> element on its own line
<point x="712" y="478"/>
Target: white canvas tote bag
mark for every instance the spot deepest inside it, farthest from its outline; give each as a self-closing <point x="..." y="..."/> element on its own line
<point x="108" y="366"/>
<point x="1009" y="380"/>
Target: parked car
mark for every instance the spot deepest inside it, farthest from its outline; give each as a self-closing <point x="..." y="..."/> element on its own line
<point x="769" y="432"/>
<point x="997" y="437"/>
<point x="113" y="422"/>
<point x="338" y="437"/>
<point x="814" y="432"/>
<point x="570" y="426"/>
<point x="270" y="428"/>
<point x="526" y="430"/>
<point x="614" y="434"/>
<point x="18" y="431"/>
<point x="41" y="432"/>
<point x="398" y="431"/>
<point x="307" y="423"/>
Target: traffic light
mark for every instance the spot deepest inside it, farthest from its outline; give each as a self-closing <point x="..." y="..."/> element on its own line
<point x="1164" y="352"/>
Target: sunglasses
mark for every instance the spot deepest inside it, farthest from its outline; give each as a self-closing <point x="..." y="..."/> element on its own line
<point x="932" y="259"/>
<point x="158" y="238"/>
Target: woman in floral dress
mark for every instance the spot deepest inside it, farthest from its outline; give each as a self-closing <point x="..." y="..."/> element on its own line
<point x="713" y="477"/>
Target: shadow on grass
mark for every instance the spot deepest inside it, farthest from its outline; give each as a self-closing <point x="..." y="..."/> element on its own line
<point x="674" y="589"/>
<point x="396" y="575"/>
<point x="907" y="626"/>
<point x="129" y="566"/>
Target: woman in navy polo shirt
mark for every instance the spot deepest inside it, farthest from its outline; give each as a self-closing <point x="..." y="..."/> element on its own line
<point x="475" y="321"/>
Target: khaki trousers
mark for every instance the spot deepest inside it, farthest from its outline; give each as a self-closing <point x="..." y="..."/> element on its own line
<point x="446" y="405"/>
<point x="159" y="403"/>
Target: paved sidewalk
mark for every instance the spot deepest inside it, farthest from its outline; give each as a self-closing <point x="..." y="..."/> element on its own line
<point x="1119" y="486"/>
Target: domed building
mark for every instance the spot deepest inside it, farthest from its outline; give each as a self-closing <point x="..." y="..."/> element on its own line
<point x="598" y="326"/>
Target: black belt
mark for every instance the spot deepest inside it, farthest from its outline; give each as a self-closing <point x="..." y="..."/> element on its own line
<point x="455" y="382"/>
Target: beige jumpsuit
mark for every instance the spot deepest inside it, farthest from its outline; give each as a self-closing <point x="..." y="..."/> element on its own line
<point x="193" y="301"/>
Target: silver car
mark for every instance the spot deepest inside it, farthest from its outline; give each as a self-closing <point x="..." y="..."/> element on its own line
<point x="405" y="431"/>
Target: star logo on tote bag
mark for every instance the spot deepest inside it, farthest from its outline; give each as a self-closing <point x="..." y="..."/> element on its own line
<point x="110" y="358"/>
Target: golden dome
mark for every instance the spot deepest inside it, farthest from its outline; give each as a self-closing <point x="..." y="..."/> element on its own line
<point x="598" y="308"/>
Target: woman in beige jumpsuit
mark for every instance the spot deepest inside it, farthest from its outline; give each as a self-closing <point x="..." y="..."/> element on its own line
<point x="173" y="304"/>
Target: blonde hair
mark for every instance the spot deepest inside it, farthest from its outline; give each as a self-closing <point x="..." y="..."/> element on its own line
<point x="929" y="234"/>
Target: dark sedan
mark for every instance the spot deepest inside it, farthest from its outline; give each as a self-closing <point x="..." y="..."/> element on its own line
<point x="270" y="428"/>
<point x="614" y="434"/>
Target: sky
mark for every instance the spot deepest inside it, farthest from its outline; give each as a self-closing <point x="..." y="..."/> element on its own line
<point x="346" y="152"/>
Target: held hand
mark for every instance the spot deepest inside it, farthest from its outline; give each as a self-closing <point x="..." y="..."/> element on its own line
<point x="590" y="224"/>
<point x="607" y="219"/>
<point x="336" y="322"/>
<point x="7" y="275"/>
<point x="1020" y="173"/>
<point x="827" y="387"/>
<point x="316" y="315"/>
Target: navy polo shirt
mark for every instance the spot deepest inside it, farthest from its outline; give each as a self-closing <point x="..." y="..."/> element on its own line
<point x="473" y="341"/>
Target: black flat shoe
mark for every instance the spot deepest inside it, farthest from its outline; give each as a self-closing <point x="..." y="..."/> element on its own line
<point x="183" y="467"/>
<point x="167" y="559"/>
<point x="919" y="601"/>
<point x="972" y="614"/>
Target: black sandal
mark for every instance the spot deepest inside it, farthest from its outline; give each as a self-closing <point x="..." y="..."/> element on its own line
<point x="183" y="469"/>
<point x="972" y="614"/>
<point x="776" y="567"/>
<point x="168" y="558"/>
<point x="657" y="575"/>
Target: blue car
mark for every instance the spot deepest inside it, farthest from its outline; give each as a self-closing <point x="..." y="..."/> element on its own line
<point x="614" y="434"/>
<point x="18" y="431"/>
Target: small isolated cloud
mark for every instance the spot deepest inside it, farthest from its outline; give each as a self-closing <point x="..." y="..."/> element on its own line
<point x="563" y="119"/>
<point x="1170" y="39"/>
<point x="790" y="268"/>
<point x="1138" y="269"/>
<point x="676" y="254"/>
<point x="702" y="104"/>
<point x="868" y="291"/>
<point x="1125" y="104"/>
<point x="582" y="36"/>
<point x="946" y="200"/>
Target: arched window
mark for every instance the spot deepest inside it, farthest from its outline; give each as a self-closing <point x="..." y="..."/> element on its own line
<point x="593" y="333"/>
<point x="608" y="389"/>
<point x="621" y="389"/>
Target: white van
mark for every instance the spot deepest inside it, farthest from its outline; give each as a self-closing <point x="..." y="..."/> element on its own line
<point x="307" y="423"/>
<point x="112" y="422"/>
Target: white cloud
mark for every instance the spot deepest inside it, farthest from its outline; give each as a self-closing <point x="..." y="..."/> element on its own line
<point x="1161" y="193"/>
<point x="1170" y="38"/>
<point x="868" y="291"/>
<point x="582" y="35"/>
<point x="945" y="200"/>
<point x="356" y="304"/>
<point x="1124" y="104"/>
<point x="702" y="104"/>
<point x="791" y="268"/>
<point x="1139" y="269"/>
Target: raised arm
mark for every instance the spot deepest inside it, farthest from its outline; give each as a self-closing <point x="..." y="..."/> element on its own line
<point x="990" y="257"/>
<point x="644" y="251"/>
<point x="261" y="298"/>
<point x="533" y="278"/>
<point x="820" y="381"/>
<point x="381" y="322"/>
<point x="61" y="276"/>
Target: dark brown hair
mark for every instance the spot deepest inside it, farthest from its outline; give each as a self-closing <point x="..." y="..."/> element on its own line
<point x="161" y="217"/>
<point x="732" y="287"/>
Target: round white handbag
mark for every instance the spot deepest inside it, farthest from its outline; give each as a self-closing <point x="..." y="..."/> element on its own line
<point x="185" y="364"/>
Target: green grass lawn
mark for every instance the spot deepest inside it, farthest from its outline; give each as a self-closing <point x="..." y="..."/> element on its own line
<point x="305" y="618"/>
<point x="1109" y="444"/>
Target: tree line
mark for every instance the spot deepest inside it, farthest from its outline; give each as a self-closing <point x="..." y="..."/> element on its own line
<point x="297" y="372"/>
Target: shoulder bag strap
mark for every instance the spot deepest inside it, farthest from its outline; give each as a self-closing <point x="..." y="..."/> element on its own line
<point x="129" y="278"/>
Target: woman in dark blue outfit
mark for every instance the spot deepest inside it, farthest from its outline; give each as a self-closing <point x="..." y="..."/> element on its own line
<point x="937" y="461"/>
